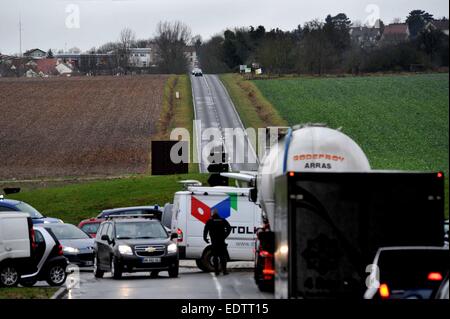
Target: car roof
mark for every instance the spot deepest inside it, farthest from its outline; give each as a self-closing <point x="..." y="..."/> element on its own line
<point x="50" y="225"/>
<point x="9" y="202"/>
<point x="130" y="220"/>
<point x="112" y="210"/>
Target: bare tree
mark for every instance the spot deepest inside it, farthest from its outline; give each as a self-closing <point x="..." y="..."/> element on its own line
<point x="127" y="39"/>
<point x="171" y="40"/>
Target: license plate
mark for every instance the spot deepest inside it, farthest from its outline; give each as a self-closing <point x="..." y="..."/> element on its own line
<point x="151" y="260"/>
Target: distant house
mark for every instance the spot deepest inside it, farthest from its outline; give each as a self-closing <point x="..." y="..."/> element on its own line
<point x="395" y="33"/>
<point x="365" y="36"/>
<point x="35" y="54"/>
<point x="441" y="25"/>
<point x="141" y="57"/>
<point x="191" y="55"/>
<point x="46" y="66"/>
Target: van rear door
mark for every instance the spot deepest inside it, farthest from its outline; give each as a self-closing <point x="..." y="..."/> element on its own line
<point x="241" y="241"/>
<point x="14" y="240"/>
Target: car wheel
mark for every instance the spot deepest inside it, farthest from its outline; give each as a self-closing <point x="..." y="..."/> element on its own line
<point x="56" y="275"/>
<point x="9" y="276"/>
<point x="98" y="273"/>
<point x="154" y="274"/>
<point x="28" y="282"/>
<point x="173" y="271"/>
<point x="116" y="269"/>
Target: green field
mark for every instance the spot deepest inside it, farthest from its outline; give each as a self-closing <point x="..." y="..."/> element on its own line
<point x="401" y="122"/>
<point x="27" y="293"/>
<point x="73" y="203"/>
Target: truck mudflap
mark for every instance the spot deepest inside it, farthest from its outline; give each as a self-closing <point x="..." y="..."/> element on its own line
<point x="264" y="261"/>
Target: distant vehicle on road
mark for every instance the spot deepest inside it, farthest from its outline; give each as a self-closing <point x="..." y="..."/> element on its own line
<point x="407" y="272"/>
<point x="11" y="205"/>
<point x="197" y="72"/>
<point x="90" y="226"/>
<point x="16" y="247"/>
<point x="134" y="244"/>
<point x="77" y="246"/>
<point x="49" y="260"/>
<point x="136" y="210"/>
<point x="446" y="232"/>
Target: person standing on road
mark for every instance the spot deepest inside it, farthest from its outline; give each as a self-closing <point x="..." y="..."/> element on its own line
<point x="219" y="229"/>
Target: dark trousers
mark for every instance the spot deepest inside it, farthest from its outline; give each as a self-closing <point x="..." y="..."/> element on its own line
<point x="220" y="253"/>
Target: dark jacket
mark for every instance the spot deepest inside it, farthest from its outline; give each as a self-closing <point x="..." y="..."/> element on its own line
<point x="218" y="228"/>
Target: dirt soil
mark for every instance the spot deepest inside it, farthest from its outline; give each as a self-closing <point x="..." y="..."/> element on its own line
<point x="70" y="127"/>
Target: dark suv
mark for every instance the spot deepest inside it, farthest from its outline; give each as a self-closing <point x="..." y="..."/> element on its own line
<point x="134" y="244"/>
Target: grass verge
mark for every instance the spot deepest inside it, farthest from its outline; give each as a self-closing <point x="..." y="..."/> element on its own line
<point x="73" y="203"/>
<point x="253" y="108"/>
<point x="27" y="293"/>
<point x="177" y="113"/>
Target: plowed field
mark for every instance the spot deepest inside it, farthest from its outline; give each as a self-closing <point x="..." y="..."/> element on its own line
<point x="77" y="126"/>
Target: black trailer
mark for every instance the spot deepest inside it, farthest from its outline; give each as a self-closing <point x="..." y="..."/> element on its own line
<point x="329" y="226"/>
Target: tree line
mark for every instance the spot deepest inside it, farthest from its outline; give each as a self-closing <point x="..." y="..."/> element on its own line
<point x="320" y="47"/>
<point x="170" y="44"/>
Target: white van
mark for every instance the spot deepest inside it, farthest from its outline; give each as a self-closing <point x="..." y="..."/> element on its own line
<point x="16" y="241"/>
<point x="192" y="209"/>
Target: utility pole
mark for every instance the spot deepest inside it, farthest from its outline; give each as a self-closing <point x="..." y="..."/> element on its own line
<point x="20" y="34"/>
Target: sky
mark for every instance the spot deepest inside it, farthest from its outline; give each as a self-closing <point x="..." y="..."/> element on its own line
<point x="63" y="24"/>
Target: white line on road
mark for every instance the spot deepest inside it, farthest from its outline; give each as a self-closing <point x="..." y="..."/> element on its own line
<point x="218" y="285"/>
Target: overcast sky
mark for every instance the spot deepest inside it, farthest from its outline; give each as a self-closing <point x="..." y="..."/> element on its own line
<point x="60" y="24"/>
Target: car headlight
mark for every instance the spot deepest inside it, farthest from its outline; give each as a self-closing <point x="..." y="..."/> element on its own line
<point x="71" y="250"/>
<point x="125" y="250"/>
<point x="172" y="248"/>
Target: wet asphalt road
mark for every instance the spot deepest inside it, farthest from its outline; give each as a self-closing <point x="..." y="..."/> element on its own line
<point x="191" y="284"/>
<point x="214" y="108"/>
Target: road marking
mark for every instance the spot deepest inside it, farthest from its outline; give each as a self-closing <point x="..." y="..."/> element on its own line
<point x="218" y="285"/>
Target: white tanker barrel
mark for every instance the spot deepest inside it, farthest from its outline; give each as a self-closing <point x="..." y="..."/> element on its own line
<point x="308" y="149"/>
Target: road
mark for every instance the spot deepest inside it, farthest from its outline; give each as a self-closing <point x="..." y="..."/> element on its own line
<point x="214" y="108"/>
<point x="191" y="284"/>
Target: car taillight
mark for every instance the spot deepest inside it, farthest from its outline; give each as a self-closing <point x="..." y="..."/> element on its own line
<point x="33" y="239"/>
<point x="434" y="276"/>
<point x="384" y="291"/>
<point x="60" y="250"/>
<point x="180" y="235"/>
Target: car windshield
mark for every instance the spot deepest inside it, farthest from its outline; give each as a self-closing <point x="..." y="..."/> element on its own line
<point x="405" y="269"/>
<point x="67" y="231"/>
<point x="140" y="230"/>
<point x="24" y="207"/>
<point x="90" y="228"/>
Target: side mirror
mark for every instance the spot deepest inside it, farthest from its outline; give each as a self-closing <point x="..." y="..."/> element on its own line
<point x="105" y="238"/>
<point x="173" y="236"/>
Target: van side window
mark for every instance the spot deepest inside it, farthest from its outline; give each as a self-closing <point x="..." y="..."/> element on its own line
<point x="6" y="209"/>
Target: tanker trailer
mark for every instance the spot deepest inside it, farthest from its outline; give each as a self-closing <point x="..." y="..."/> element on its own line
<point x="327" y="213"/>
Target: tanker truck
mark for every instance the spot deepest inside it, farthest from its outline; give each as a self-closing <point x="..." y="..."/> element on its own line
<point x="327" y="212"/>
